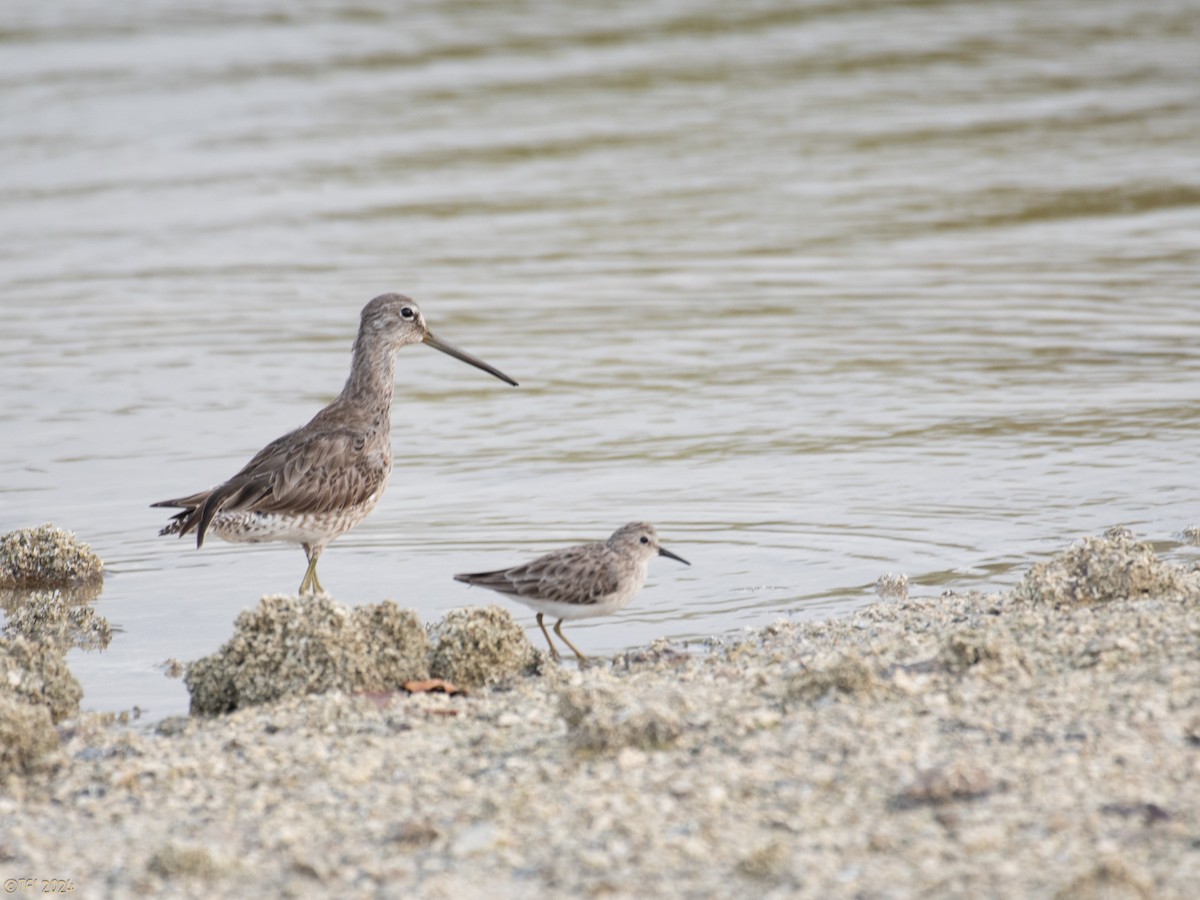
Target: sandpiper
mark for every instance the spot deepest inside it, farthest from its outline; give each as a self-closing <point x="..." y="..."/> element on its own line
<point x="576" y="582"/>
<point x="316" y="483"/>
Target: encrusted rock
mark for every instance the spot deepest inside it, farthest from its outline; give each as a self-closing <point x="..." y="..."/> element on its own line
<point x="28" y="739"/>
<point x="892" y="586"/>
<point x="46" y="557"/>
<point x="1101" y="569"/>
<point x="603" y="719"/>
<point x="210" y="680"/>
<point x="309" y="645"/>
<point x="37" y="673"/>
<point x="480" y="645"/>
<point x="968" y="648"/>
<point x="848" y="674"/>
<point x="55" y="617"/>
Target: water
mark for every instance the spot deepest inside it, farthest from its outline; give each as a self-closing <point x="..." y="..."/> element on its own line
<point x="823" y="290"/>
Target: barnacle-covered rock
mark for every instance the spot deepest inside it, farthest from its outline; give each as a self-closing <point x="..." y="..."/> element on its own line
<point x="28" y="739"/>
<point x="309" y="644"/>
<point x="480" y="645"/>
<point x="1101" y="569"/>
<point x="47" y="557"/>
<point x="36" y="672"/>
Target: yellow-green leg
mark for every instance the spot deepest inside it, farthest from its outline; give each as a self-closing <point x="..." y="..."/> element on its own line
<point x="311" y="582"/>
<point x="553" y="649"/>
<point x="558" y="631"/>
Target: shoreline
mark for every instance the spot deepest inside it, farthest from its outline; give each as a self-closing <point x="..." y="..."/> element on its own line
<point x="1036" y="743"/>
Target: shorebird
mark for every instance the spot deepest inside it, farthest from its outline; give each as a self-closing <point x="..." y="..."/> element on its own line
<point x="576" y="582"/>
<point x="316" y="483"/>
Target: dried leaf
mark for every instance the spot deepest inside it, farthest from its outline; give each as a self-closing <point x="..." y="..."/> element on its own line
<point x="432" y="685"/>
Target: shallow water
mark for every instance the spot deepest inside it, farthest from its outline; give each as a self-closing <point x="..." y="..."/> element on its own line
<point x="824" y="290"/>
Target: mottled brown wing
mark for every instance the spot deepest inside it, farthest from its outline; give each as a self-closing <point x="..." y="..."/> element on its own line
<point x="326" y="472"/>
<point x="297" y="473"/>
<point x="580" y="574"/>
<point x="256" y="472"/>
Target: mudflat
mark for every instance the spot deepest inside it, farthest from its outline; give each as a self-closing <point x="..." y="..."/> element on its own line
<point x="1039" y="743"/>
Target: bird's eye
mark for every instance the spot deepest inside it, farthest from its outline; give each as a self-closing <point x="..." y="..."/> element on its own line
<point x="645" y="540"/>
<point x="407" y="312"/>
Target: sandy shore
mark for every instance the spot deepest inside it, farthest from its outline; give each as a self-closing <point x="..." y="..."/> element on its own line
<point x="1043" y="743"/>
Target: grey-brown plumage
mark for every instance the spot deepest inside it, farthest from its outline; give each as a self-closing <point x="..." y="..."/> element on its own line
<point x="316" y="483"/>
<point x="576" y="582"/>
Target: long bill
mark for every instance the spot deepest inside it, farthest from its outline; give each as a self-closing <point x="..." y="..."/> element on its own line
<point x="451" y="350"/>
<point x="663" y="551"/>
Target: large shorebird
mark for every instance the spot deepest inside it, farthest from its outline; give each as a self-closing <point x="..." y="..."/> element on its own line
<point x="576" y="582"/>
<point x="316" y="483"/>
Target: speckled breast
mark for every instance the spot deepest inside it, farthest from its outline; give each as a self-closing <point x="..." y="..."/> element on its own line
<point x="301" y="528"/>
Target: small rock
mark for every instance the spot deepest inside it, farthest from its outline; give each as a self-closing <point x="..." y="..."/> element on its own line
<point x="28" y="739"/>
<point x="174" y="861"/>
<point x="37" y="673"/>
<point x="848" y="674"/>
<point x="768" y="863"/>
<point x="480" y="645"/>
<point x="599" y="719"/>
<point x="1149" y="813"/>
<point x="414" y="834"/>
<point x="660" y="650"/>
<point x="892" y="586"/>
<point x="1191" y="731"/>
<point x="172" y="726"/>
<point x="47" y="557"/>
<point x="172" y="668"/>
<point x="970" y="647"/>
<point x="945" y="784"/>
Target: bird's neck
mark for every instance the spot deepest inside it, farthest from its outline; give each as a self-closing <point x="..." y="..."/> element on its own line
<point x="372" y="378"/>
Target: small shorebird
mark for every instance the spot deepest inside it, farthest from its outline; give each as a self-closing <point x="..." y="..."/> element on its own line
<point x="316" y="483"/>
<point x="576" y="582"/>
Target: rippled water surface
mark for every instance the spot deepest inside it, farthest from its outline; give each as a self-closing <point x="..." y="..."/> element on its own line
<point x="824" y="290"/>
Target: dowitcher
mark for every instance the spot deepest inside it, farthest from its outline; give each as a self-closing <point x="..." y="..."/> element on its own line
<point x="576" y="582"/>
<point x="316" y="483"/>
